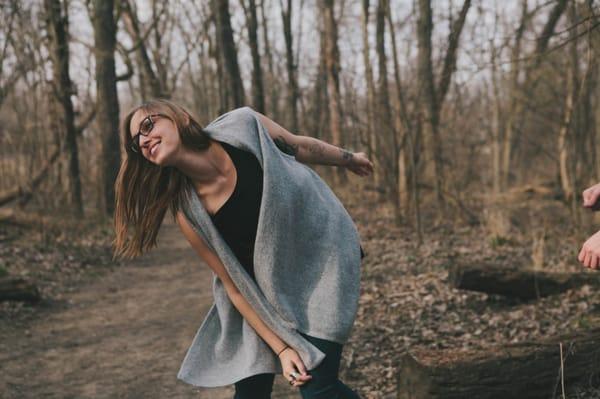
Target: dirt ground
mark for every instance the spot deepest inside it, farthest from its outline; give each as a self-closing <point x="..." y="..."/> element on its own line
<point x="123" y="335"/>
<point x="124" y="329"/>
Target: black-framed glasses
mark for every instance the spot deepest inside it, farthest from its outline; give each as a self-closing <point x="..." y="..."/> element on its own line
<point x="146" y="126"/>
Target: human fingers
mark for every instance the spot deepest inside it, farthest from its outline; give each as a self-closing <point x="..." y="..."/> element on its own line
<point x="296" y="379"/>
<point x="303" y="376"/>
<point x="587" y="258"/>
<point x="581" y="255"/>
<point x="594" y="262"/>
<point x="368" y="164"/>
<point x="590" y="195"/>
<point x="362" y="172"/>
<point x="292" y="366"/>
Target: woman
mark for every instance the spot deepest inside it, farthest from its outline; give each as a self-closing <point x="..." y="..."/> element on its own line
<point x="284" y="252"/>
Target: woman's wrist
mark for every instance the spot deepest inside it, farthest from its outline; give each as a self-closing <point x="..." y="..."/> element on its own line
<point x="284" y="348"/>
<point x="346" y="157"/>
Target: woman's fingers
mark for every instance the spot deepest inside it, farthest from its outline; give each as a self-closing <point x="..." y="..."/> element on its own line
<point x="300" y="366"/>
<point x="581" y="254"/>
<point x="586" y="259"/>
<point x="362" y="170"/>
<point x="594" y="262"/>
<point x="590" y="195"/>
<point x="300" y="380"/>
<point x="303" y="376"/>
<point x="294" y="370"/>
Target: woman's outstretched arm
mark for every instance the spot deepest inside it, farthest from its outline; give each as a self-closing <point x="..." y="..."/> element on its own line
<point x="306" y="149"/>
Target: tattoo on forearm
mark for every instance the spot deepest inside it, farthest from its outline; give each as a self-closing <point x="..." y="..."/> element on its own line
<point x="316" y="148"/>
<point x="285" y="146"/>
<point x="346" y="155"/>
<point x="319" y="150"/>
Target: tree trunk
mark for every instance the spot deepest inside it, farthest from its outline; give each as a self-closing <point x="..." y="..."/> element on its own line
<point x="565" y="150"/>
<point x="18" y="289"/>
<point x="258" y="96"/>
<point x="286" y="17"/>
<point x="107" y="102"/>
<point x="59" y="48"/>
<point x="403" y="160"/>
<point x="433" y="95"/>
<point x="518" y="111"/>
<point x="587" y="143"/>
<point x="528" y="370"/>
<point x="272" y="84"/>
<point x="496" y="128"/>
<point x="370" y="100"/>
<point x="385" y="130"/>
<point x="150" y="84"/>
<point x="427" y="93"/>
<point x="228" y="52"/>
<point x="513" y="282"/>
<point x="333" y="85"/>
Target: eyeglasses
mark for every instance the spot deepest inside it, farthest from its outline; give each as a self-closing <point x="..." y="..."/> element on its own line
<point x="146" y="126"/>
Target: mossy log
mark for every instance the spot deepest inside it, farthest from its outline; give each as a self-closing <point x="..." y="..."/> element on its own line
<point x="522" y="370"/>
<point x="18" y="289"/>
<point x="521" y="283"/>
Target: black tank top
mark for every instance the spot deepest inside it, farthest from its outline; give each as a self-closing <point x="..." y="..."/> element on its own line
<point x="237" y="219"/>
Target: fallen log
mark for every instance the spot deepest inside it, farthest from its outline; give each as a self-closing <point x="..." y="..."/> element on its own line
<point x="522" y="283"/>
<point x="523" y="370"/>
<point x="18" y="289"/>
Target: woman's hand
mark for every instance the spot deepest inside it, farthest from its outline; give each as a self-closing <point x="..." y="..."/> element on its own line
<point x="291" y="362"/>
<point x="590" y="197"/>
<point x="589" y="255"/>
<point x="360" y="164"/>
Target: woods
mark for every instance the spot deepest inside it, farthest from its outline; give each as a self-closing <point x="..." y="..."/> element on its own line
<point x="413" y="103"/>
<point x="480" y="117"/>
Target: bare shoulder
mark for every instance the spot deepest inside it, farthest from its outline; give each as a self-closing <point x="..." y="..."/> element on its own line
<point x="206" y="253"/>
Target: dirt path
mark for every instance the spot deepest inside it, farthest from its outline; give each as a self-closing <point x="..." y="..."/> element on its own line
<point x="122" y="336"/>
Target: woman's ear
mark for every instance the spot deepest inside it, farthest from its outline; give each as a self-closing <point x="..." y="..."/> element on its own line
<point x="187" y="118"/>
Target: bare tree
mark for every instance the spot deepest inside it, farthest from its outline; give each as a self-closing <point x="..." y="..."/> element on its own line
<point x="105" y="32"/>
<point x="332" y="65"/>
<point x="228" y="54"/>
<point x="574" y="164"/>
<point x="57" y="21"/>
<point x="405" y="149"/>
<point x="22" y="51"/>
<point x="520" y="90"/>
<point x="258" y="97"/>
<point x="293" y="94"/>
<point x="273" y="99"/>
<point x="149" y="79"/>
<point x="386" y="134"/>
<point x="433" y="94"/>
<point x="370" y="100"/>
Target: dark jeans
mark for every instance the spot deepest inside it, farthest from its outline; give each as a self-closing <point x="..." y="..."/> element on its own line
<point x="323" y="385"/>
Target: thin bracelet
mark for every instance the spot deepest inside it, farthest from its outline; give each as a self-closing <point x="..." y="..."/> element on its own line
<point x="282" y="350"/>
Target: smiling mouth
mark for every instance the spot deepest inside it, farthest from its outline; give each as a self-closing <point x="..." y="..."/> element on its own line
<point x="154" y="148"/>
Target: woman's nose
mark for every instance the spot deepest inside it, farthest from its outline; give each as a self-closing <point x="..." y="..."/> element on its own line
<point x="144" y="140"/>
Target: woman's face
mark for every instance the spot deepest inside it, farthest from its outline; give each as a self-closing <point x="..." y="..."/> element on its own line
<point x="162" y="143"/>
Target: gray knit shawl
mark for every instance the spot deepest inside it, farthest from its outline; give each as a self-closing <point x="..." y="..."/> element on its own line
<point x="306" y="260"/>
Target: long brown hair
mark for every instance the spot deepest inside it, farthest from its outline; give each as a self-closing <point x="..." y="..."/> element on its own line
<point x="144" y="190"/>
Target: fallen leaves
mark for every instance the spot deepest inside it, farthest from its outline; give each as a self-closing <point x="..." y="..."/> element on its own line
<point x="407" y="304"/>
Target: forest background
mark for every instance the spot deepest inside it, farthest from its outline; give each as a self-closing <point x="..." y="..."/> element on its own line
<point x="480" y="116"/>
